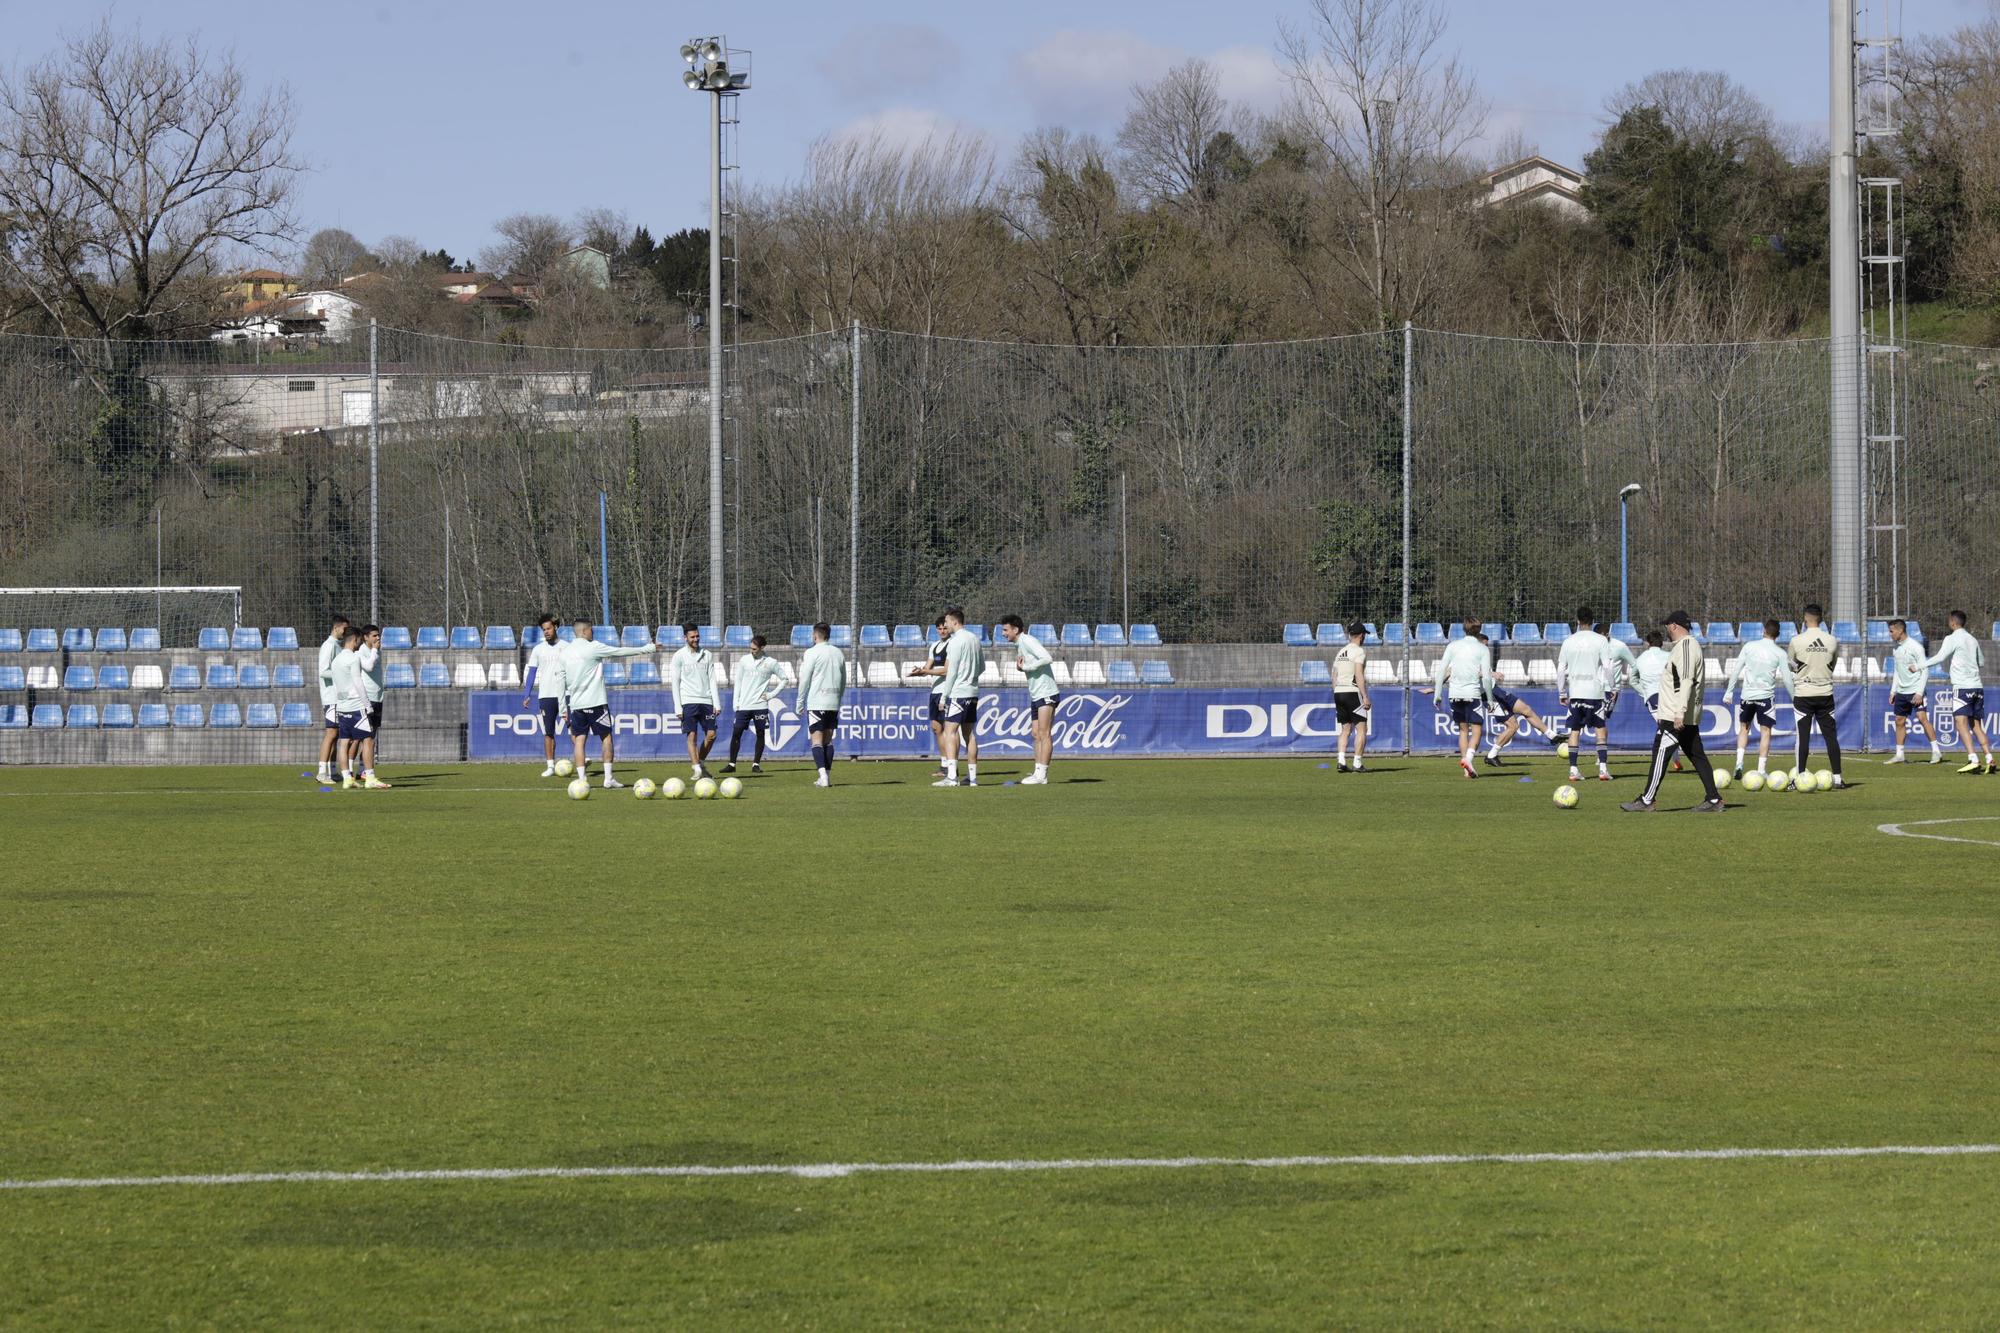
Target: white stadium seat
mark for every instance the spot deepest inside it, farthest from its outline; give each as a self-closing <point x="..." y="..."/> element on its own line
<point x="43" y="678"/>
<point x="1511" y="668"/>
<point x="469" y="676"/>
<point x="503" y="675"/>
<point x="788" y="671"/>
<point x="721" y="672"/>
<point x="1712" y="668"/>
<point x="1380" y="673"/>
<point x="1011" y="674"/>
<point x="882" y="675"/>
<point x="989" y="676"/>
<point x="1060" y="669"/>
<point x="148" y="677"/>
<point x="1089" y="673"/>
<point x="1542" y="672"/>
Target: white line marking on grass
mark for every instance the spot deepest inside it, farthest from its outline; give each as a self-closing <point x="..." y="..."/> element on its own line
<point x="302" y="790"/>
<point x="833" y="1170"/>
<point x="1903" y="830"/>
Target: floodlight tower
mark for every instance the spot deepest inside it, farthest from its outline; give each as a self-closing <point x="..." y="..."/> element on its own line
<point x="1843" y="283"/>
<point x="715" y="69"/>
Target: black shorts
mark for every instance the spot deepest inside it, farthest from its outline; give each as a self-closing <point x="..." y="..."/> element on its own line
<point x="1813" y="705"/>
<point x="1586" y="714"/>
<point x="1761" y="711"/>
<point x="1468" y="712"/>
<point x="590" y="721"/>
<point x="1503" y="702"/>
<point x="962" y="712"/>
<point x="1049" y="702"/>
<point x="1906" y="705"/>
<point x="332" y="716"/>
<point x="551" y="716"/>
<point x="760" y="718"/>
<point x="937" y="706"/>
<point x="1347" y="708"/>
<point x="826" y="720"/>
<point x="375" y="715"/>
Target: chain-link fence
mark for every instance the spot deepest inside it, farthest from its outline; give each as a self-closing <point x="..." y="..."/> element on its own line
<point x="1216" y="492"/>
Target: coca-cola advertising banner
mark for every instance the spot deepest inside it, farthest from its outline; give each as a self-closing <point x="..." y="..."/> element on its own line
<point x="889" y="724"/>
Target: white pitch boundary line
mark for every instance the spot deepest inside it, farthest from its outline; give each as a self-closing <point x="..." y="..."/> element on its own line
<point x="835" y="1170"/>
<point x="1902" y="830"/>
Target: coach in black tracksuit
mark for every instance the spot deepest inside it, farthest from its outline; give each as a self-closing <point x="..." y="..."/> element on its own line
<point x="1678" y="718"/>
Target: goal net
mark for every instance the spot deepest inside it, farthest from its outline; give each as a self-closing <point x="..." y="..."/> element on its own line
<point x="179" y="614"/>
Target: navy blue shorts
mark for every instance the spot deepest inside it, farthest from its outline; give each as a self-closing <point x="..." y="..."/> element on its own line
<point x="590" y="721"/>
<point x="937" y="707"/>
<point x="1652" y="703"/>
<point x="1037" y="705"/>
<point x="1969" y="704"/>
<point x="354" y="727"/>
<point x="1466" y="712"/>
<point x="962" y="712"/>
<point x="1906" y="705"/>
<point x="1585" y="713"/>
<point x="697" y="717"/>
<point x="1503" y="702"/>
<point x="1761" y="711"/>
<point x="551" y="716"/>
<point x="825" y="720"/>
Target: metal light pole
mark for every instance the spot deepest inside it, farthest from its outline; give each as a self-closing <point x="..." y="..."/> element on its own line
<point x="708" y="71"/>
<point x="1624" y="565"/>
<point x="1844" y="320"/>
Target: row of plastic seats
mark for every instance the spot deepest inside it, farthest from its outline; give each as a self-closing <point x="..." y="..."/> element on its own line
<point x="1299" y="634"/>
<point x="120" y="717"/>
<point x="112" y="640"/>
<point x="998" y="675"/>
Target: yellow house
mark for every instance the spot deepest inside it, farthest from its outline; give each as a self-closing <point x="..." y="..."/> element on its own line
<point x="261" y="285"/>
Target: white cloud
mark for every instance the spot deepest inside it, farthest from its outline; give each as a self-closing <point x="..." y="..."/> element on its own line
<point x="1085" y="79"/>
<point x="909" y="57"/>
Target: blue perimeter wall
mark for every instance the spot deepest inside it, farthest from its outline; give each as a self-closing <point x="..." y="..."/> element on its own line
<point x="889" y="724"/>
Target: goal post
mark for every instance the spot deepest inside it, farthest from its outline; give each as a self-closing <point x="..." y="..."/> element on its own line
<point x="179" y="614"/>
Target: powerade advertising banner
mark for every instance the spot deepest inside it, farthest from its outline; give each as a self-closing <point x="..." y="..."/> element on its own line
<point x="888" y="724"/>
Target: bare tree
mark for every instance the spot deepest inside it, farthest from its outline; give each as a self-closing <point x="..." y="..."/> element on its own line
<point x="1394" y="117"/>
<point x="1702" y="106"/>
<point x="127" y="166"/>
<point x="1169" y="135"/>
<point x="331" y="256"/>
<point x="529" y="244"/>
<point x="603" y="229"/>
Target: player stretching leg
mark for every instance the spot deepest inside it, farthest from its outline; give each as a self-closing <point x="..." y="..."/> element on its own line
<point x="587" y="704"/>
<point x="330" y="737"/>
<point x="1760" y="668"/>
<point x="1463" y="683"/>
<point x="1814" y="651"/>
<point x="1350" y="698"/>
<point x="1580" y="667"/>
<point x="757" y="681"/>
<point x="1043" y="695"/>
<point x="822" y="680"/>
<point x="1906" y="690"/>
<point x="544" y="687"/>
<point x="1968" y="689"/>
<point x="691" y="673"/>
<point x="1512" y="711"/>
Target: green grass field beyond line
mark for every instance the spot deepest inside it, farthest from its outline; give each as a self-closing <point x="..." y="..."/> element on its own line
<point x="225" y="970"/>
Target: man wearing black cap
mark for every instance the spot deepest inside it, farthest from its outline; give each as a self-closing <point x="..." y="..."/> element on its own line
<point x="1678" y="715"/>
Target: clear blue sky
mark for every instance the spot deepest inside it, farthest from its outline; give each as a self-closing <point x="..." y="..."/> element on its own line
<point x="432" y="118"/>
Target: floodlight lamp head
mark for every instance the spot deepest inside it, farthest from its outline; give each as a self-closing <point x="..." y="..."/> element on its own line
<point x="688" y="53"/>
<point x="692" y="80"/>
<point x="711" y="50"/>
<point x="1630" y="491"/>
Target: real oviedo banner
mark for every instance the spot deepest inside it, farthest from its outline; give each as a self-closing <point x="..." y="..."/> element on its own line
<point x="1167" y="721"/>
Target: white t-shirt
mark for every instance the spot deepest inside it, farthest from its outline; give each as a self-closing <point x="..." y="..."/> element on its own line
<point x="545" y="659"/>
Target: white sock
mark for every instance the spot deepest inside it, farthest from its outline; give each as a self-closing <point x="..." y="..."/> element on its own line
<point x="1340" y="758"/>
<point x="951" y="769"/>
<point x="1739" y="755"/>
<point x="607" y="770"/>
<point x="972" y="771"/>
<point x="1041" y="770"/>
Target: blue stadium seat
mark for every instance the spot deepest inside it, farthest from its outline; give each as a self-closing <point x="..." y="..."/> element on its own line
<point x="635" y="636"/>
<point x="802" y="636"/>
<point x="1626" y="632"/>
<point x="117" y="676"/>
<point x="1878" y="631"/>
<point x="1748" y="631"/>
<point x="1121" y="673"/>
<point x="227" y="716"/>
<point x="670" y="635"/>
<point x="875" y="636"/>
<point x="999" y="632"/>
<point x="79" y="678"/>
<point x="1525" y="631"/>
<point x="247" y="639"/>
<point x="184" y="677"/>
<point x="1995" y="631"/>
<point x="76" y="640"/>
<point x="213" y="639"/>
<point x="1719" y="631"/>
<point x="1787" y="631"/>
<point x="1315" y="672"/>
<point x="1555" y="631"/>
<point x="1494" y="632"/>
<point x="43" y="641"/>
<point x="397" y="676"/>
<point x="434" y="676"/>
<point x="111" y="640"/>
<point x="1329" y="635"/>
<point x="48" y="716"/>
<point x="221" y="676"/>
<point x="565" y="634"/>
<point x="978" y="632"/>
<point x="645" y="673"/>
<point x="1146" y="636"/>
<point x="1155" y="673"/>
<point x="282" y="639"/>
<point x="432" y="636"/>
<point x="1298" y="634"/>
<point x="297" y="715"/>
<point x="1110" y="636"/>
<point x="261" y="715"/>
<point x="1846" y="631"/>
<point x="10" y="641"/>
<point x="188" y="715"/>
<point x="1430" y="632"/>
<point x="1916" y="630"/>
<point x="711" y="636"/>
<point x="530" y="635"/>
<point x="13" y="678"/>
<point x="117" y="717"/>
<point x="154" y="715"/>
<point x="843" y="635"/>
<point x="290" y="676"/>
<point x="82" y="715"/>
<point x="13" y="716"/>
<point x="1078" y="636"/>
<point x="1395" y="634"/>
<point x="909" y="636"/>
<point x="738" y="637"/>
<point x="500" y="638"/>
<point x="615" y="673"/>
<point x="397" y="637"/>
<point x="465" y="638"/>
<point x="254" y="677"/>
<point x="145" y="640"/>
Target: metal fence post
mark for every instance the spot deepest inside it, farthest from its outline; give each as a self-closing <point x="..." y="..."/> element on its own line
<point x="1409" y="344"/>
<point x="374" y="477"/>
<point x="854" y="501"/>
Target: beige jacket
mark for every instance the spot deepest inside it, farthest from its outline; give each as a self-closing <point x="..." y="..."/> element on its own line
<point x="1681" y="684"/>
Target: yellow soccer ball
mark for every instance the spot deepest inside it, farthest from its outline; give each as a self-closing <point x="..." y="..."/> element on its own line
<point x="579" y="789"/>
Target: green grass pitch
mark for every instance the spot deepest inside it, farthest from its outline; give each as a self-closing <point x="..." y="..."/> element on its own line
<point x="224" y="970"/>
